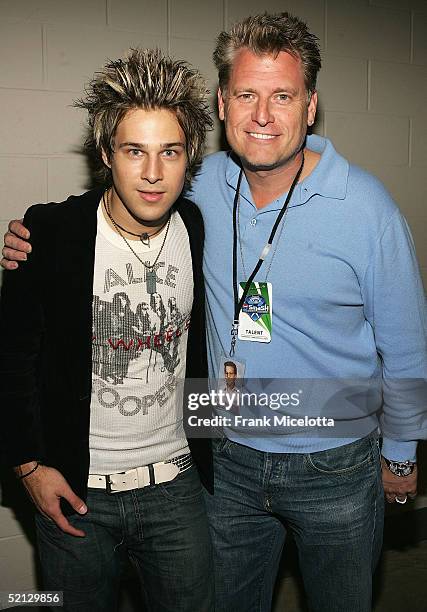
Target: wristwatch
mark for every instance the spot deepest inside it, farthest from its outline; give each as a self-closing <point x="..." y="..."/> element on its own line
<point x="400" y="468"/>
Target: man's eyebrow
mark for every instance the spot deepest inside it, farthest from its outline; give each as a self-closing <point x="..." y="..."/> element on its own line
<point x="284" y="89"/>
<point x="141" y="145"/>
<point x="240" y="89"/>
<point x="289" y="89"/>
<point x="137" y="145"/>
<point x="167" y="145"/>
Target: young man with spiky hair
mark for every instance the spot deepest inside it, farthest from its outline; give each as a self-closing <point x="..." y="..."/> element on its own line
<point x="92" y="412"/>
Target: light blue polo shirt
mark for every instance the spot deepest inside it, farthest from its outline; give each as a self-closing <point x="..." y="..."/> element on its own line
<point x="348" y="301"/>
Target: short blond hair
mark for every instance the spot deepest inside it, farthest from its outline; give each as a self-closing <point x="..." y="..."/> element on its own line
<point x="269" y="34"/>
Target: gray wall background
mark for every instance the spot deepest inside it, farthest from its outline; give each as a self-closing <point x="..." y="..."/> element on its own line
<point x="372" y="91"/>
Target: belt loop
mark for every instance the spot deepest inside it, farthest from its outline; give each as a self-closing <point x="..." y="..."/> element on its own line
<point x="108" y="484"/>
<point x="152" y="476"/>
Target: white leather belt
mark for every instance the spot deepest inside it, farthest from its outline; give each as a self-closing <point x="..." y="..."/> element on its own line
<point x="139" y="477"/>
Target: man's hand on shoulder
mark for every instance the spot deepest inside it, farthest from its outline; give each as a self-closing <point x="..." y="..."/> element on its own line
<point x="398" y="488"/>
<point x="45" y="485"/>
<point x="15" y="246"/>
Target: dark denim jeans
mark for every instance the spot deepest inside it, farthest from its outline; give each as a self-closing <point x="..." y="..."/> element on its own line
<point x="333" y="503"/>
<point x="164" y="531"/>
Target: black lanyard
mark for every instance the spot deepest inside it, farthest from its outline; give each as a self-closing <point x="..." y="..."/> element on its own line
<point x="238" y="304"/>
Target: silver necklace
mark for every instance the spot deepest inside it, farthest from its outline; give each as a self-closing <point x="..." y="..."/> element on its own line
<point x="144" y="237"/>
<point x="150" y="273"/>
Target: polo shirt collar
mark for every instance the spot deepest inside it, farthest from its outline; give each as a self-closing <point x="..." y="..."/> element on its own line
<point x="328" y="179"/>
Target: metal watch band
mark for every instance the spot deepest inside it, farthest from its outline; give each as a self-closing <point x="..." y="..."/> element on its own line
<point x="400" y="468"/>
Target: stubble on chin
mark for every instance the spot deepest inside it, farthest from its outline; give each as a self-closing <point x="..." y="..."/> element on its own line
<point x="258" y="167"/>
<point x="252" y="166"/>
<point x="282" y="162"/>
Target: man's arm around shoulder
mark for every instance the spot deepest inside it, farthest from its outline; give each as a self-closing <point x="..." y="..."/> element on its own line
<point x="17" y="243"/>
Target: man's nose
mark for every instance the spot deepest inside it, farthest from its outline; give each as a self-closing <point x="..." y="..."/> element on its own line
<point x="151" y="169"/>
<point x="262" y="113"/>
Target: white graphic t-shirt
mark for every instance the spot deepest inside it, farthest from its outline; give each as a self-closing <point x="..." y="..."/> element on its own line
<point x="139" y="349"/>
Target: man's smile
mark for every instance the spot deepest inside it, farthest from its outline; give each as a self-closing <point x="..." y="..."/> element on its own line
<point x="261" y="136"/>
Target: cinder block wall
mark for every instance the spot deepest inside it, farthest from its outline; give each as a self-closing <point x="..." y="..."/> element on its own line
<point x="372" y="89"/>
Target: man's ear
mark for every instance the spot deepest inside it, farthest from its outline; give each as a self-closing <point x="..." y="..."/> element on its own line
<point x="312" y="106"/>
<point x="105" y="159"/>
<point x="221" y="105"/>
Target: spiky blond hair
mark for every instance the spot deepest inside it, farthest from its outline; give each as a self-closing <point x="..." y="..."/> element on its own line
<point x="149" y="80"/>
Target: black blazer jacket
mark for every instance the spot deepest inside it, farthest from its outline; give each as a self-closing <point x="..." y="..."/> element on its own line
<point x="46" y="340"/>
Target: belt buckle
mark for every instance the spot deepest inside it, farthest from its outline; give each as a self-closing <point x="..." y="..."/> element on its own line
<point x="108" y="484"/>
<point x="127" y="482"/>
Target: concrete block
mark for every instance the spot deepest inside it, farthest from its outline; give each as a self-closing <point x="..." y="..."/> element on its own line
<point x="419" y="142"/>
<point x="398" y="88"/>
<point x="313" y="13"/>
<point x="198" y="53"/>
<point x="237" y="10"/>
<point x="420" y="38"/>
<point x="23" y="181"/>
<point x="21" y="48"/>
<point x="52" y="11"/>
<point x="418" y="227"/>
<point x="417" y="191"/>
<point x="215" y="140"/>
<point x="343" y="84"/>
<point x="395" y="179"/>
<point x="203" y="21"/>
<point x="39" y="123"/>
<point x="407" y="187"/>
<point x="17" y="564"/>
<point x="73" y="55"/>
<point x="3" y="230"/>
<point x="142" y="15"/>
<point x="319" y="124"/>
<point x="67" y="176"/>
<point x="356" y="29"/>
<point x="9" y="526"/>
<point x="414" y="5"/>
<point x="369" y="139"/>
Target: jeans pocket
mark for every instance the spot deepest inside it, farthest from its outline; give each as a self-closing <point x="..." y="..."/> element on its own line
<point x="50" y="529"/>
<point x="70" y="564"/>
<point x="47" y="527"/>
<point x="186" y="486"/>
<point x="344" y="459"/>
<point x="44" y="517"/>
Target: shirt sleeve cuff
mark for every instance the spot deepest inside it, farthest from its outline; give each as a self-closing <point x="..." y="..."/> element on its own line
<point x="399" y="451"/>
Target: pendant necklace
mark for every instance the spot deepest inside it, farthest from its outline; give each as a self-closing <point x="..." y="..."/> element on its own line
<point x="150" y="272"/>
<point x="144" y="237"/>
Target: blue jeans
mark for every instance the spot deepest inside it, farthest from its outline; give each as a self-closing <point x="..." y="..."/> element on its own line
<point x="333" y="503"/>
<point x="163" y="529"/>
